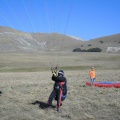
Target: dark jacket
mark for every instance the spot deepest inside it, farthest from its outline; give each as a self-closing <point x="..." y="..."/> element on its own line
<point x="60" y="81"/>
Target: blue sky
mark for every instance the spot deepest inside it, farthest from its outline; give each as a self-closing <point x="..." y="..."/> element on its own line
<point x="85" y="19"/>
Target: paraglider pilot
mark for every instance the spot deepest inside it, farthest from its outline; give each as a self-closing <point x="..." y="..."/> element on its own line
<point x="59" y="89"/>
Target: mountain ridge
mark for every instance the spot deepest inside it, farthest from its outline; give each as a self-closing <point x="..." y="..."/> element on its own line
<point x="12" y="40"/>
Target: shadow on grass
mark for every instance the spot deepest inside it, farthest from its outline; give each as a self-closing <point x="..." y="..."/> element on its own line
<point x="42" y="105"/>
<point x="0" y="92"/>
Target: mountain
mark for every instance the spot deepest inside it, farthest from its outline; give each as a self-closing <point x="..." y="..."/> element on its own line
<point x="12" y="40"/>
<point x="18" y="41"/>
<point x="102" y="42"/>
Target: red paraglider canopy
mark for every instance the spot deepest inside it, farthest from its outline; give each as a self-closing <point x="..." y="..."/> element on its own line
<point x="105" y="84"/>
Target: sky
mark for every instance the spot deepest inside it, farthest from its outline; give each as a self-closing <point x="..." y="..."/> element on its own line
<point x="84" y="19"/>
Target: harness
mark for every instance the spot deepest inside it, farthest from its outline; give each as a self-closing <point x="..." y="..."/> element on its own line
<point x="58" y="85"/>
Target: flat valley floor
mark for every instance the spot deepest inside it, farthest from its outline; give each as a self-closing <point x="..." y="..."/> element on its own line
<point x="25" y="83"/>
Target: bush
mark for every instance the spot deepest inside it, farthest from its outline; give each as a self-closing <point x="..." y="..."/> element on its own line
<point x="89" y="50"/>
<point x="77" y="50"/>
<point x="94" y="50"/>
<point x="89" y="45"/>
<point x="101" y="42"/>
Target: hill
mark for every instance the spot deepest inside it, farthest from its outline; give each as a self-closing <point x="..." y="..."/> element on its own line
<point x="102" y="42"/>
<point x="12" y="40"/>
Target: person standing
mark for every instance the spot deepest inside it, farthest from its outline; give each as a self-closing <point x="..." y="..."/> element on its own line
<point x="92" y="75"/>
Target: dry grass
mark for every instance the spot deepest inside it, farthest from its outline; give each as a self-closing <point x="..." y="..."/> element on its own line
<point x="26" y="78"/>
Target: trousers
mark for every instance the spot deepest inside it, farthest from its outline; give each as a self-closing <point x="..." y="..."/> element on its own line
<point x="56" y="94"/>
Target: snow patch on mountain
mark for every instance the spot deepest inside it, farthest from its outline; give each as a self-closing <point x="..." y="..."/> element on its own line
<point x="75" y="37"/>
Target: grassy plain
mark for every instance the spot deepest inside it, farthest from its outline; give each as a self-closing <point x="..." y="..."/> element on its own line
<point x="26" y="78"/>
